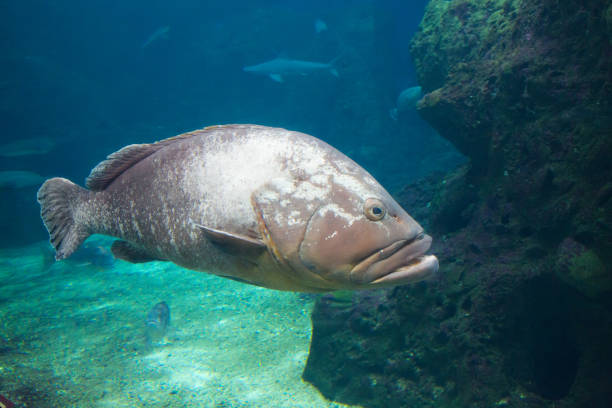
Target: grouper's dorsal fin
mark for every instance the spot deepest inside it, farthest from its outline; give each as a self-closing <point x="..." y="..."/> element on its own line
<point x="116" y="163"/>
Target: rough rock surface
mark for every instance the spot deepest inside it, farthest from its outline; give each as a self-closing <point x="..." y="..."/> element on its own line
<point x="520" y="316"/>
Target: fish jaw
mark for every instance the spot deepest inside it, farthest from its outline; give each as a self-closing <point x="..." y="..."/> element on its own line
<point x="404" y="261"/>
<point x="423" y="268"/>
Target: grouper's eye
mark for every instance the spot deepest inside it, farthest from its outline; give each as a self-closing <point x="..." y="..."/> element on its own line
<point x="374" y="209"/>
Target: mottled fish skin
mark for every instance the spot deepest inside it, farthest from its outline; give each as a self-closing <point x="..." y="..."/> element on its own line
<point x="267" y="206"/>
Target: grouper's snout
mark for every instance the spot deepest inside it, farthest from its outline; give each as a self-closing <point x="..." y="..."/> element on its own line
<point x="403" y="261"/>
<point x="383" y="247"/>
<point x="411" y="264"/>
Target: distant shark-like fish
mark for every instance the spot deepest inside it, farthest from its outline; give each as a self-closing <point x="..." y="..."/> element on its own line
<point x="16" y="179"/>
<point x="27" y="147"/>
<point x="279" y="67"/>
<point x="160" y="33"/>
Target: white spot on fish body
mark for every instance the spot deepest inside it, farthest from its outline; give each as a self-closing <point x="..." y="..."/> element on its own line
<point x="320" y="179"/>
<point x="352" y="184"/>
<point x="309" y="192"/>
<point x="283" y="186"/>
<point x="339" y="212"/>
<point x="330" y="236"/>
<point x="294" y="218"/>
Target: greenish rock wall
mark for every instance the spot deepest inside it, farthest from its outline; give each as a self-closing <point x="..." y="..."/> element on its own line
<point x="520" y="316"/>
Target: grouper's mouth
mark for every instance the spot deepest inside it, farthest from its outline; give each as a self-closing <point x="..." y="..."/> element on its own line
<point x="403" y="261"/>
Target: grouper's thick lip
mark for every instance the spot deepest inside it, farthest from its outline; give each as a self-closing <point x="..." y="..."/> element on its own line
<point x="403" y="261"/>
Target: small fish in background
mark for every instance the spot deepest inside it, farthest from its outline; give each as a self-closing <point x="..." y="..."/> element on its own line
<point x="406" y="101"/>
<point x="279" y="67"/>
<point x="320" y="26"/>
<point x="27" y="147"/>
<point x="93" y="254"/>
<point x="339" y="299"/>
<point x="160" y="34"/>
<point x="16" y="179"/>
<point x="156" y="324"/>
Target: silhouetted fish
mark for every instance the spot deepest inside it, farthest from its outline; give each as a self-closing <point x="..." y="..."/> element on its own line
<point x="320" y="26"/>
<point x="93" y="254"/>
<point x="19" y="179"/>
<point x="27" y="147"/>
<point x="160" y="33"/>
<point x="406" y="100"/>
<point x="279" y="67"/>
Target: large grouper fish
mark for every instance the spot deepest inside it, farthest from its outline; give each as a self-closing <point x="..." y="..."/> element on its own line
<point x="262" y="205"/>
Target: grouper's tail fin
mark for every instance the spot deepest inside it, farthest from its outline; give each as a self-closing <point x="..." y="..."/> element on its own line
<point x="58" y="199"/>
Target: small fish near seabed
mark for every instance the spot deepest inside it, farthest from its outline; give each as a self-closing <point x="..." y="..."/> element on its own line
<point x="279" y="68"/>
<point x="92" y="254"/>
<point x="27" y="147"/>
<point x="156" y="324"/>
<point x="406" y="101"/>
<point x="265" y="206"/>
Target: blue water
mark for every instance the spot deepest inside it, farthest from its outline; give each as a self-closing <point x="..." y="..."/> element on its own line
<point x="89" y="77"/>
<point x="76" y="72"/>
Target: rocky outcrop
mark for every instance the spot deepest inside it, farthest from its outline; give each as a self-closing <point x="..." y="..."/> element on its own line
<point x="520" y="316"/>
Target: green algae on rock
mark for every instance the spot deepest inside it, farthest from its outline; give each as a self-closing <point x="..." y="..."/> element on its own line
<point x="583" y="269"/>
<point x="520" y="315"/>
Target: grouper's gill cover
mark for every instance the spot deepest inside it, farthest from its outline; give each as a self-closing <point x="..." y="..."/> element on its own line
<point x="266" y="206"/>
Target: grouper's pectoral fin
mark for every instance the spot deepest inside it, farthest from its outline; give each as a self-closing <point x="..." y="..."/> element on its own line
<point x="127" y="252"/>
<point x="231" y="242"/>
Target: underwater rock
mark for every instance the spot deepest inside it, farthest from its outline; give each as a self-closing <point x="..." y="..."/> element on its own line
<point x="520" y="314"/>
<point x="581" y="268"/>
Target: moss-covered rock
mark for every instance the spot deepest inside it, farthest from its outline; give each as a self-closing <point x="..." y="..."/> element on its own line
<point x="520" y="314"/>
<point x="583" y="269"/>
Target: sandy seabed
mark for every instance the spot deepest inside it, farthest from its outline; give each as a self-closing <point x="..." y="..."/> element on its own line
<point x="72" y="334"/>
